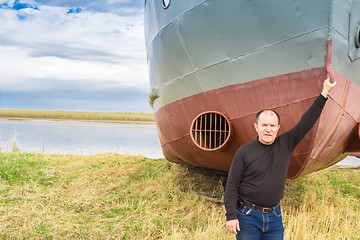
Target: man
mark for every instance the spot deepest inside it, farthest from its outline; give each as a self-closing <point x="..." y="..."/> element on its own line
<point x="257" y="176"/>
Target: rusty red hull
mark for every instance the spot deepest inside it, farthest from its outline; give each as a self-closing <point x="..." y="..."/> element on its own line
<point x="333" y="137"/>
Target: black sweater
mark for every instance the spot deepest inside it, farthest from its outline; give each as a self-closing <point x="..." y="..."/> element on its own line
<point x="258" y="171"/>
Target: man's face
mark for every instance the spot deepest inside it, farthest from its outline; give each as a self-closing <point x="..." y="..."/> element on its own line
<point x="267" y="127"/>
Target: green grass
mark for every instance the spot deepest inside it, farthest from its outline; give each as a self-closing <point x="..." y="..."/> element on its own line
<point x="110" y="196"/>
<point x="19" y="168"/>
<point x="79" y="116"/>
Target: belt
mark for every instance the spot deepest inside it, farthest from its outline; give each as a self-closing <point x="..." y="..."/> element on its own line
<point x="258" y="208"/>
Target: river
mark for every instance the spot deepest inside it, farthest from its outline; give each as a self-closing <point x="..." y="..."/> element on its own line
<point x="80" y="138"/>
<point x="87" y="138"/>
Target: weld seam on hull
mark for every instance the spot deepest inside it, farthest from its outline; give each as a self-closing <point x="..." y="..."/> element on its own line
<point x="275" y="43"/>
<point x="176" y="139"/>
<point x="238" y="57"/>
<point x="344" y="110"/>
<point x="175" y="19"/>
<point x="191" y="62"/>
<point x="331" y="27"/>
<point x="307" y="157"/>
<point x="341" y="101"/>
<point x="283" y="105"/>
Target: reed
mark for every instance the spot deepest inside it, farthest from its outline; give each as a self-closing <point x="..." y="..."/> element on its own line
<point x="112" y="196"/>
<point x="80" y="116"/>
<point x="14" y="145"/>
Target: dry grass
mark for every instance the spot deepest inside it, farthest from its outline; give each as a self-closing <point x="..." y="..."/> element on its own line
<point x="323" y="205"/>
<point x="111" y="196"/>
<point x="81" y="116"/>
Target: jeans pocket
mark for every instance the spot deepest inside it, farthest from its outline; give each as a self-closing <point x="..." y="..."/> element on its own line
<point x="277" y="211"/>
<point x="244" y="210"/>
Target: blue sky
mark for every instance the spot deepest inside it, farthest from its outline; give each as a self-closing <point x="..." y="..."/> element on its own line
<point x="73" y="55"/>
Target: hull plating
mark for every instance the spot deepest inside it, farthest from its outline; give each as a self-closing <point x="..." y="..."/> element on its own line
<point x="238" y="57"/>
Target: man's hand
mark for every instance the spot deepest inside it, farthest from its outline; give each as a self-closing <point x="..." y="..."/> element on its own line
<point x="327" y="87"/>
<point x="233" y="225"/>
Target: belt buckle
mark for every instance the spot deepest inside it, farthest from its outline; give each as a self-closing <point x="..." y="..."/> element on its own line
<point x="266" y="210"/>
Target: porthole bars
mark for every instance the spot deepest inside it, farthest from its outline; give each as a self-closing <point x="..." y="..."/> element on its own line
<point x="210" y="130"/>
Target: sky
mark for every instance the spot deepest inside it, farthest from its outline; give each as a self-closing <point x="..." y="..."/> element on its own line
<point x="80" y="55"/>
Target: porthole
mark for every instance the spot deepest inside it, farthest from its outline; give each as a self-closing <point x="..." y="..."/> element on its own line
<point x="357" y="38"/>
<point x="165" y="3"/>
<point x="210" y="131"/>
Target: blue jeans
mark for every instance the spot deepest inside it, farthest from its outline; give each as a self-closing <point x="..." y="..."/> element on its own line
<point x="257" y="225"/>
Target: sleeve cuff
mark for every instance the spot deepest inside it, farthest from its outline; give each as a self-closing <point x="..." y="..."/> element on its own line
<point x="231" y="216"/>
<point x="321" y="100"/>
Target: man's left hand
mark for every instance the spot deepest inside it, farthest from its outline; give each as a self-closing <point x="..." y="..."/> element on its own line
<point x="327" y="87"/>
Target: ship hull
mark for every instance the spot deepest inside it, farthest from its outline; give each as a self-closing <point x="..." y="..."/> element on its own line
<point x="230" y="60"/>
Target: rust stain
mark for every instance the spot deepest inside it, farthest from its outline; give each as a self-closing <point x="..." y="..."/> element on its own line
<point x="342" y="97"/>
<point x="341" y="103"/>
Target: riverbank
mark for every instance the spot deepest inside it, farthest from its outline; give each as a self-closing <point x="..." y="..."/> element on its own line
<point x="117" y="117"/>
<point x="112" y="196"/>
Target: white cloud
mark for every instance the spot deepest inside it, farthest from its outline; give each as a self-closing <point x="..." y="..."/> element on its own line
<point x="48" y="43"/>
<point x="19" y="71"/>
